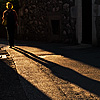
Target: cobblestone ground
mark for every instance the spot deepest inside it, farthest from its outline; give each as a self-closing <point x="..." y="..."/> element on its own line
<point x="46" y="75"/>
<point x="10" y="87"/>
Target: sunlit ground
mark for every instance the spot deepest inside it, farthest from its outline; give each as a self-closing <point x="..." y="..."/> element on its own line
<point x="3" y="56"/>
<point x="64" y="75"/>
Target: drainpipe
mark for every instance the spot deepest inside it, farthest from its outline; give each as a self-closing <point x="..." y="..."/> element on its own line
<point x="94" y="14"/>
<point x="78" y="4"/>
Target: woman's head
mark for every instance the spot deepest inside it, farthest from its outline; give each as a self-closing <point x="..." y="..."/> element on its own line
<point x="9" y="5"/>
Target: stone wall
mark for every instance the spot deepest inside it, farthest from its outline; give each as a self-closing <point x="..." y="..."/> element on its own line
<point x="34" y="20"/>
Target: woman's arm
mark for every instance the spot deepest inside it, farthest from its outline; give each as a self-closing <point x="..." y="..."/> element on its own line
<point x="4" y="15"/>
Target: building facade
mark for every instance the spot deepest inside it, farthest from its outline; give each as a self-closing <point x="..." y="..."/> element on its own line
<point x="50" y="20"/>
<point x="96" y="22"/>
<point x="64" y="21"/>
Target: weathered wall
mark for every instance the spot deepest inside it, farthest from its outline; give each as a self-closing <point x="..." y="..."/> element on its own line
<point x="96" y="21"/>
<point x="35" y="16"/>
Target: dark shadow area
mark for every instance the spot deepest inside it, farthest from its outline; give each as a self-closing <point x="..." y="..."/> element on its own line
<point x="10" y="86"/>
<point x="87" y="21"/>
<point x="66" y="74"/>
<point x="90" y="55"/>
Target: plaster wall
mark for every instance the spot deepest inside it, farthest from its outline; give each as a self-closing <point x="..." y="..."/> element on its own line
<point x="96" y="22"/>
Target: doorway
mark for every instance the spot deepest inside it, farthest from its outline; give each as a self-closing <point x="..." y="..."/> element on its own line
<point x="87" y="21"/>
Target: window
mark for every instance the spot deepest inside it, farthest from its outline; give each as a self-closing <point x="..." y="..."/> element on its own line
<point x="55" y="24"/>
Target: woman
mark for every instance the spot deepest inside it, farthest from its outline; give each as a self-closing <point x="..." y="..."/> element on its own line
<point x="11" y="16"/>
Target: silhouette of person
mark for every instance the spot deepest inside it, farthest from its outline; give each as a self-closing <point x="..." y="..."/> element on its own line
<point x="11" y="16"/>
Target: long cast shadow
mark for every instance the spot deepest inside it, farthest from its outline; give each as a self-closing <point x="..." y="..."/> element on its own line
<point x="66" y="74"/>
<point x="90" y="55"/>
<point x="11" y="89"/>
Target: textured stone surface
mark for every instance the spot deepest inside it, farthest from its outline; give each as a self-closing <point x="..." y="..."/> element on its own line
<point x="67" y="73"/>
<point x="34" y="20"/>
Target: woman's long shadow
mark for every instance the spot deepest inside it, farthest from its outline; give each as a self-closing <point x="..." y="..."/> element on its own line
<point x="87" y="55"/>
<point x="66" y="74"/>
<point x="11" y="89"/>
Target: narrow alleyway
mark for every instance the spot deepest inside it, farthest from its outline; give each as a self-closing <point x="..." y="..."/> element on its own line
<point x="56" y="71"/>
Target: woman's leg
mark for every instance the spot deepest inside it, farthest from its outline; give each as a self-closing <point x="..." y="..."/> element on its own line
<point x="11" y="36"/>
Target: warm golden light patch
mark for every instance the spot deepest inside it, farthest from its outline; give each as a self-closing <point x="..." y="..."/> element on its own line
<point x="7" y="5"/>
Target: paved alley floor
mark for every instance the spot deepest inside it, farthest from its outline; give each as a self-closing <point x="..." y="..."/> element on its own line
<point x="10" y="87"/>
<point x="57" y="72"/>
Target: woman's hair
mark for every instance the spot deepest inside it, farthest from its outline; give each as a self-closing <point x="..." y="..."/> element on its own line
<point x="8" y="4"/>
